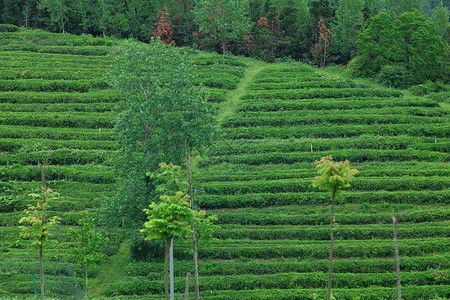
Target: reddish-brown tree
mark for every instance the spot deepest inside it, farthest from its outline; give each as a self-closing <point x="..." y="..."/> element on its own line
<point x="164" y="29"/>
<point x="321" y="50"/>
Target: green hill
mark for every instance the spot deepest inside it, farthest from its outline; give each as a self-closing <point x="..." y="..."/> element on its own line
<point x="276" y="120"/>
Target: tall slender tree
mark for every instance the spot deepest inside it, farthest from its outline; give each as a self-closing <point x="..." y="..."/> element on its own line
<point x="440" y="19"/>
<point x="350" y="20"/>
<point x="162" y="109"/>
<point x="332" y="177"/>
<point x="222" y="21"/>
<point x="164" y="30"/>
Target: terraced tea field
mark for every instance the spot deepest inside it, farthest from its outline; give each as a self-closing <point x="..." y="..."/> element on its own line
<point x="53" y="95"/>
<point x="274" y="237"/>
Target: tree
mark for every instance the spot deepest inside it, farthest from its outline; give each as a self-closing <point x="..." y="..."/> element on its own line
<point x="322" y="49"/>
<point x="440" y="19"/>
<point x="37" y="227"/>
<point x="162" y="111"/>
<point x="332" y="177"/>
<point x="166" y="220"/>
<point x="87" y="253"/>
<point x="409" y="42"/>
<point x="163" y="28"/>
<point x="350" y="21"/>
<point x="58" y="10"/>
<point x="170" y="179"/>
<point x="397" y="7"/>
<point x="222" y="20"/>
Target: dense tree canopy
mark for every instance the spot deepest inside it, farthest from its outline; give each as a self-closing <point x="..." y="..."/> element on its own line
<point x="162" y="112"/>
<point x="409" y="42"/>
<point x="234" y="26"/>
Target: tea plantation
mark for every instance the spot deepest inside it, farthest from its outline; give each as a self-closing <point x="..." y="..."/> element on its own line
<point x="53" y="96"/>
<point x="273" y="240"/>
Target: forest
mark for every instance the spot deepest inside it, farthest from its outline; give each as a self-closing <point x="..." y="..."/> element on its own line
<point x="265" y="29"/>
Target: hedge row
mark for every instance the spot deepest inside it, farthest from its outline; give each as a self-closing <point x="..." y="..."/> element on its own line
<point x="85" y="50"/>
<point x="64" y="204"/>
<point x="204" y="71"/>
<point x="300" y="174"/>
<point x="373" y="169"/>
<point x="214" y="95"/>
<point x="154" y="271"/>
<point x="325" y="104"/>
<point x="67" y="218"/>
<point x="89" y="173"/>
<point x="409" y="111"/>
<point x="59" y="157"/>
<point x="373" y="293"/>
<point x="101" y="107"/>
<point x="59" y="97"/>
<point x="45" y="37"/>
<point x="58" y="119"/>
<point x="27" y="59"/>
<point x="342" y="249"/>
<point x="440" y="97"/>
<point x="402" y="142"/>
<point x="294" y="68"/>
<point x="321" y="93"/>
<point x="344" y="232"/>
<point x="219" y="81"/>
<point x="255" y="218"/>
<point x="354" y="155"/>
<point x="13" y="145"/>
<point x="338" y="131"/>
<point x="300" y="84"/>
<point x="304" y="185"/>
<point x="43" y="85"/>
<point x="316" y="280"/>
<point x="331" y="117"/>
<point x="218" y="61"/>
<point x="72" y="74"/>
<point x="261" y="199"/>
<point x="27" y="132"/>
<point x="269" y="78"/>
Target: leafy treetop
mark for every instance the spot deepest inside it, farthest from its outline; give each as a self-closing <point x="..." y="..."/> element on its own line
<point x="333" y="175"/>
<point x="169" y="218"/>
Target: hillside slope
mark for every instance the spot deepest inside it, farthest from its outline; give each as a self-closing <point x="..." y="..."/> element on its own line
<point x="273" y="241"/>
<point x="54" y="100"/>
<point x="276" y="120"/>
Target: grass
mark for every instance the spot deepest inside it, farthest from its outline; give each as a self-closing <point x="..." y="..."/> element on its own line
<point x="112" y="271"/>
<point x="229" y="106"/>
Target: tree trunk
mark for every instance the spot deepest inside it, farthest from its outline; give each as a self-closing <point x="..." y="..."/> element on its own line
<point x="87" y="279"/>
<point x="194" y="240"/>
<point x="186" y="289"/>
<point x="397" y="260"/>
<point x="166" y="268"/>
<point x="41" y="262"/>
<point x="330" y="266"/>
<point x="223" y="47"/>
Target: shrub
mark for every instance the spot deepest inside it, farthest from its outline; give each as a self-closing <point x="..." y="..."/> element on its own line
<point x="8" y="28"/>
<point x="395" y="76"/>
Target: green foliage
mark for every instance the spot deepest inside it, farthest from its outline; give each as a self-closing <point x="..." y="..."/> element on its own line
<point x="8" y="28"/>
<point x="224" y="21"/>
<point x="154" y="76"/>
<point x="440" y="19"/>
<point x="409" y="44"/>
<point x="87" y="253"/>
<point x="396" y="76"/>
<point x="169" y="179"/>
<point x="37" y="225"/>
<point x="397" y="7"/>
<point x="170" y="218"/>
